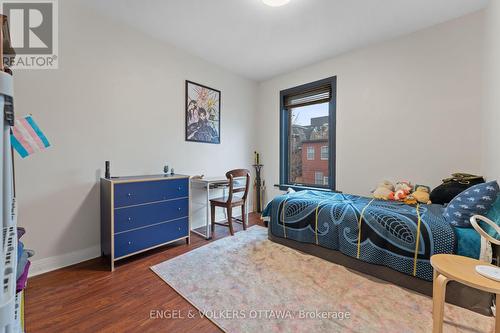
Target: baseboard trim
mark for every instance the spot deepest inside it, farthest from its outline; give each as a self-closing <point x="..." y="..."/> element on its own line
<point x="49" y="264"/>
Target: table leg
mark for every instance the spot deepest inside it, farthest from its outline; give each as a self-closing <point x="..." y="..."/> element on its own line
<point x="207" y="226"/>
<point x="438" y="299"/>
<point x="497" y="314"/>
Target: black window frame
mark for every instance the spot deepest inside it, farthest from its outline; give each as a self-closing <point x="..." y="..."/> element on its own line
<point x="285" y="135"/>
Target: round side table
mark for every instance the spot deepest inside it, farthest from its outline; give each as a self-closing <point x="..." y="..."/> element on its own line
<point x="448" y="267"/>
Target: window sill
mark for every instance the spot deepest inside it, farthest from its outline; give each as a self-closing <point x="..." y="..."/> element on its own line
<point x="284" y="187"/>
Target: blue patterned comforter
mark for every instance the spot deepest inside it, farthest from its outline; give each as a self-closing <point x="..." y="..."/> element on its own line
<point x="388" y="233"/>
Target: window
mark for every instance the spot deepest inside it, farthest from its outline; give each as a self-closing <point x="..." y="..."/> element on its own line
<point x="307" y="126"/>
<point x="318" y="178"/>
<point x="310" y="153"/>
<point x="324" y="153"/>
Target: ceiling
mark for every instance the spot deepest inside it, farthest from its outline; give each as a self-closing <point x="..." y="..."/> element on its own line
<point x="259" y="42"/>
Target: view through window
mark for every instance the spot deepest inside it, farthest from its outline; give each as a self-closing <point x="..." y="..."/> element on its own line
<point x="309" y="145"/>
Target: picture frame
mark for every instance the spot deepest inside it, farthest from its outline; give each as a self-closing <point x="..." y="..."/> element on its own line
<point x="202" y="113"/>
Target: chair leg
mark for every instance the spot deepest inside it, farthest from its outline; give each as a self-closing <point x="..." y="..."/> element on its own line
<point x="212" y="215"/>
<point x="230" y="219"/>
<point x="244" y="217"/>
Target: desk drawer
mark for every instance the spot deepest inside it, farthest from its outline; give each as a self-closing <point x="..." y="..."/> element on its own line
<point x="129" y="194"/>
<point x="140" y="216"/>
<point x="137" y="240"/>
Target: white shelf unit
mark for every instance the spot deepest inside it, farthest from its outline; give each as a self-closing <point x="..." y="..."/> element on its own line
<point x="10" y="318"/>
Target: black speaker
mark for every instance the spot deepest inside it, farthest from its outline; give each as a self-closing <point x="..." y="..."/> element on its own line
<point x="107" y="173"/>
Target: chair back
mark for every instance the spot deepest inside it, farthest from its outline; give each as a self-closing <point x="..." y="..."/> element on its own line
<point x="233" y="176"/>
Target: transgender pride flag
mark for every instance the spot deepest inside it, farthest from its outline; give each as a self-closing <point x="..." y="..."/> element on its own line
<point x="27" y="138"/>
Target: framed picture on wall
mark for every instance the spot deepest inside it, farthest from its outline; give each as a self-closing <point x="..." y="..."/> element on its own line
<point x="202" y="113"/>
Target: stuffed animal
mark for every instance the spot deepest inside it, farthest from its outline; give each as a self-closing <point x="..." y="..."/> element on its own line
<point x="402" y="190"/>
<point x="410" y="200"/>
<point x="384" y="190"/>
<point x="421" y="194"/>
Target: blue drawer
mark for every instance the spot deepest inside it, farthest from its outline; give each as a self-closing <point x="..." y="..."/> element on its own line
<point x="144" y="215"/>
<point x="137" y="240"/>
<point x="128" y="194"/>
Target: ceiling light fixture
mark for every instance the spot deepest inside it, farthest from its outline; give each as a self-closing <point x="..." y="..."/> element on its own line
<point x="275" y="3"/>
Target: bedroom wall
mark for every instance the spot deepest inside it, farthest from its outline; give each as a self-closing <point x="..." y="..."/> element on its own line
<point x="118" y="95"/>
<point x="491" y="100"/>
<point x="407" y="108"/>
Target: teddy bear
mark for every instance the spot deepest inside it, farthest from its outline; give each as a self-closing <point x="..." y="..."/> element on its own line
<point x="384" y="190"/>
<point x="402" y="191"/>
<point x="421" y="194"/>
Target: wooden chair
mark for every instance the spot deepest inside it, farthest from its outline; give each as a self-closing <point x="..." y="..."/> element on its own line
<point x="232" y="201"/>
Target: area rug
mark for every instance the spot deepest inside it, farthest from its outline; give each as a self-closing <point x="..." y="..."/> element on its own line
<point x="247" y="283"/>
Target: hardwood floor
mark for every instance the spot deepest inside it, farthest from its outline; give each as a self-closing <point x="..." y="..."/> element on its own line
<point x="87" y="297"/>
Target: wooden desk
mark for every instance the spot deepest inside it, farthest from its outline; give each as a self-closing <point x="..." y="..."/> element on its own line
<point x="449" y="267"/>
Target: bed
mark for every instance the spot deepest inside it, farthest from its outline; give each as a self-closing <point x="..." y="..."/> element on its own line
<point x="389" y="240"/>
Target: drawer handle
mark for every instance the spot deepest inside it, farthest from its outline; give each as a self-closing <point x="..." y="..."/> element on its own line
<point x="179" y="209"/>
<point x="129" y="195"/>
<point x="179" y="188"/>
<point x="179" y="228"/>
<point x="129" y="219"/>
<point x="129" y="242"/>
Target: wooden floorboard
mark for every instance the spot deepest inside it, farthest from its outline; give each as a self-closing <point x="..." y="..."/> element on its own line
<point x="87" y="297"/>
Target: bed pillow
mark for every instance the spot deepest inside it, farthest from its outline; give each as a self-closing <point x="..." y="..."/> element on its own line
<point x="477" y="199"/>
<point x="494" y="215"/>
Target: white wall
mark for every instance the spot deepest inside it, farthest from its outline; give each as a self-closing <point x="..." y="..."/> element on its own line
<point x="408" y="108"/>
<point x="118" y="95"/>
<point x="491" y="100"/>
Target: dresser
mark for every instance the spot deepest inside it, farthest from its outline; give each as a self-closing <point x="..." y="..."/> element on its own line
<point x="141" y="213"/>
